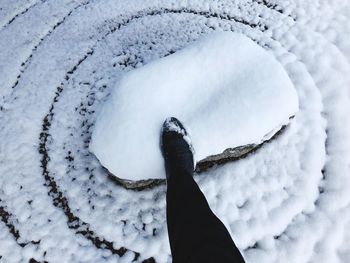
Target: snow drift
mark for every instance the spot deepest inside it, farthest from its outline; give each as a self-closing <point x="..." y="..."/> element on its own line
<point x="227" y="90"/>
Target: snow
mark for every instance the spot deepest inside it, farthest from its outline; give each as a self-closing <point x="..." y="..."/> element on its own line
<point x="289" y="200"/>
<point x="226" y="89"/>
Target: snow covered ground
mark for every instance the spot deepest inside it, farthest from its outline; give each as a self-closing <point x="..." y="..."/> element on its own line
<point x="287" y="202"/>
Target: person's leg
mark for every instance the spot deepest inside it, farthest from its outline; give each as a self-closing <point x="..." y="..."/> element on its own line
<point x="195" y="233"/>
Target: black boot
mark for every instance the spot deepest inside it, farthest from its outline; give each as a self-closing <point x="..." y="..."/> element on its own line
<point x="176" y="148"/>
<point x="196" y="235"/>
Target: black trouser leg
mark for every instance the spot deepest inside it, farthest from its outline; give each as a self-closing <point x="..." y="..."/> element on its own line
<point x="195" y="233"/>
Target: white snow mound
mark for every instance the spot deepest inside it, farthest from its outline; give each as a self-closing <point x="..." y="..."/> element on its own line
<point x="227" y="90"/>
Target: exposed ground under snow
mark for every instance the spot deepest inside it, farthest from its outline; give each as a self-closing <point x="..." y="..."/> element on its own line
<point x="287" y="202"/>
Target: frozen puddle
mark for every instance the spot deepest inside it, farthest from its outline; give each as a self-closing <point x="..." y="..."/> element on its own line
<point x="228" y="91"/>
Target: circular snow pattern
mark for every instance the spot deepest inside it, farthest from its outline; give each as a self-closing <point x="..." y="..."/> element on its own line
<point x="288" y="201"/>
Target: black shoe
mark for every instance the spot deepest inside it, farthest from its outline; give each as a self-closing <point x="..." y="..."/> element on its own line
<point x="176" y="148"/>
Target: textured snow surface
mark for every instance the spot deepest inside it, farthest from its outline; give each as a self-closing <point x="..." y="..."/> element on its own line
<point x="59" y="60"/>
<point x="226" y="89"/>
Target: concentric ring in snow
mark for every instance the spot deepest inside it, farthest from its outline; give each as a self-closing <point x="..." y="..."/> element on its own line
<point x="289" y="199"/>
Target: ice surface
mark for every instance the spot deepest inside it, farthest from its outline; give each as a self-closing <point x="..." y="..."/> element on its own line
<point x="226" y="89"/>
